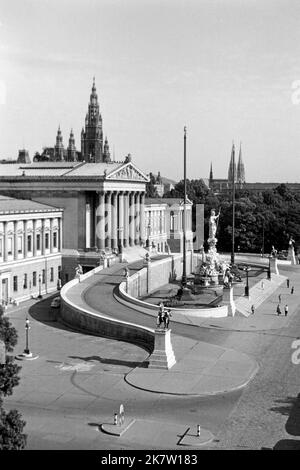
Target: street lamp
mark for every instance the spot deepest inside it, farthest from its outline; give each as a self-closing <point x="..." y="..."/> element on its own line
<point x="40" y="287"/>
<point x="149" y="233"/>
<point x="27" y="328"/>
<point x="247" y="269"/>
<point x="269" y="268"/>
<point x="183" y="279"/>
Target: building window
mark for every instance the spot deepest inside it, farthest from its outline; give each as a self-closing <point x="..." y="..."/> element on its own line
<point x="20" y="244"/>
<point x="47" y="241"/>
<point x="15" y="283"/>
<point x="59" y="272"/>
<point x="38" y="241"/>
<point x="51" y="274"/>
<point x="25" y="282"/>
<point x="34" y="278"/>
<point x="55" y="239"/>
<point x="9" y="246"/>
<point x="43" y="276"/>
<point x="29" y="243"/>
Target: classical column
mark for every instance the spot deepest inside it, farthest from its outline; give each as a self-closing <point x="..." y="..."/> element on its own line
<point x="25" y="238"/>
<point x="60" y="234"/>
<point x="108" y="220"/>
<point x="126" y="220"/>
<point x="43" y="236"/>
<point x="131" y="219"/>
<point x="142" y="218"/>
<point x="51" y="236"/>
<point x="100" y="221"/>
<point x="15" y="240"/>
<point x="34" y="237"/>
<point x="4" y="241"/>
<point x="114" y="220"/>
<point x="121" y="219"/>
<point x="137" y="219"/>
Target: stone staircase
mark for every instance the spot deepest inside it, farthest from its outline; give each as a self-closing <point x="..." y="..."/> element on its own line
<point x="258" y="295"/>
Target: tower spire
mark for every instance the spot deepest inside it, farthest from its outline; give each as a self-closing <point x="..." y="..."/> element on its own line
<point x="232" y="166"/>
<point x="240" y="168"/>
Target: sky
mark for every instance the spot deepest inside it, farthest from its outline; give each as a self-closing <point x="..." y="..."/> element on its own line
<point x="228" y="70"/>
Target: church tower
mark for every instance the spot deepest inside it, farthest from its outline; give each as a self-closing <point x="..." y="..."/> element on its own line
<point x="92" y="136"/>
<point x="59" y="147"/>
<point x="232" y="167"/>
<point x="72" y="154"/>
<point x="240" y="176"/>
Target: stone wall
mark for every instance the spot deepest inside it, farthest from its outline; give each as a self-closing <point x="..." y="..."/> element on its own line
<point x="87" y="320"/>
<point x="160" y="273"/>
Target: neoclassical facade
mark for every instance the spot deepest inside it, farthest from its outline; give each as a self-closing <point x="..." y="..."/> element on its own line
<point x="103" y="203"/>
<point x="30" y="249"/>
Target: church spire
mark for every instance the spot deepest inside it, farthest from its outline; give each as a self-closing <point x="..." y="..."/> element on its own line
<point x="232" y="166"/>
<point x="240" y="168"/>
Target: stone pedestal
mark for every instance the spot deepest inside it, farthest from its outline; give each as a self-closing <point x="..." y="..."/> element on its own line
<point x="163" y="355"/>
<point x="273" y="266"/>
<point x="228" y="300"/>
<point x="291" y="255"/>
<point x="187" y="294"/>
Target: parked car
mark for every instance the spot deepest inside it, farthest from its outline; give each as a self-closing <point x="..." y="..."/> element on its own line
<point x="55" y="302"/>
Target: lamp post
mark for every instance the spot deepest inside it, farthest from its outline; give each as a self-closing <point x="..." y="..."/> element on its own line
<point x="233" y="201"/>
<point x="247" y="269"/>
<point x="149" y="233"/>
<point x="183" y="279"/>
<point x="27" y="328"/>
<point x="269" y="268"/>
<point x="40" y="287"/>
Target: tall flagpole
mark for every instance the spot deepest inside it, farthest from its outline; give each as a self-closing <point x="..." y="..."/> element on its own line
<point x="183" y="280"/>
<point x="233" y="202"/>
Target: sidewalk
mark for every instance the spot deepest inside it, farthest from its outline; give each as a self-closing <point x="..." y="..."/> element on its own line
<point x="201" y="369"/>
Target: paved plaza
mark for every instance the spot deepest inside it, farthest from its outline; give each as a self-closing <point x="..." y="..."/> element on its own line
<point x="79" y="381"/>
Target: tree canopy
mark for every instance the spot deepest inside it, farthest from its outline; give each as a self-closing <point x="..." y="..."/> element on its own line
<point x="11" y="423"/>
<point x="262" y="219"/>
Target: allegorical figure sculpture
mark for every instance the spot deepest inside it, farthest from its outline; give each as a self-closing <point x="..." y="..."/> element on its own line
<point x="212" y="223"/>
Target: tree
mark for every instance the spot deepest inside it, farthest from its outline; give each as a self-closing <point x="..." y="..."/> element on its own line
<point x="11" y="423"/>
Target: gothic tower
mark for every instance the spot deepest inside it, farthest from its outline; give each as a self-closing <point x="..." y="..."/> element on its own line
<point x="106" y="152"/>
<point x="240" y="176"/>
<point x="72" y="154"/>
<point x="92" y="136"/>
<point x="59" y="147"/>
<point x="232" y="167"/>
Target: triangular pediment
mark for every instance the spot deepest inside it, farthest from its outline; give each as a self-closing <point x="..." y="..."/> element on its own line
<point x="128" y="171"/>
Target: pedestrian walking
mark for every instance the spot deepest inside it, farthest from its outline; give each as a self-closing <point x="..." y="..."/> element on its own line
<point x="278" y="310"/>
<point x="279" y="298"/>
<point x="288" y="283"/>
<point x="262" y="285"/>
<point x="286" y="310"/>
<point x="292" y="290"/>
<point x="252" y="309"/>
